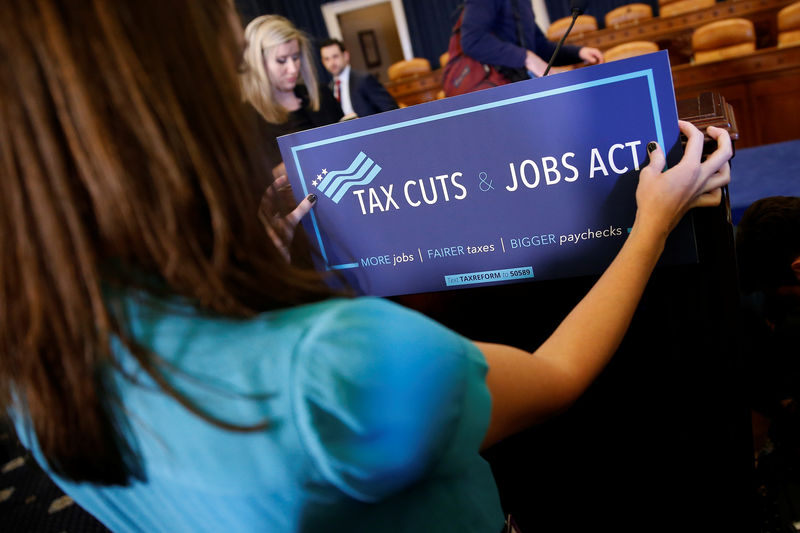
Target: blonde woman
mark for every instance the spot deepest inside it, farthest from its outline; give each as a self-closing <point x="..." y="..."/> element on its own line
<point x="280" y="81"/>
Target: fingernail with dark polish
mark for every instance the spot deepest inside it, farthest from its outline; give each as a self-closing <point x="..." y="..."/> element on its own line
<point x="651" y="146"/>
<point x="312" y="198"/>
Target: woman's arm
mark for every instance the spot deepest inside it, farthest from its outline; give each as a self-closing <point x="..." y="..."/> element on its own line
<point x="527" y="388"/>
<point x="479" y="40"/>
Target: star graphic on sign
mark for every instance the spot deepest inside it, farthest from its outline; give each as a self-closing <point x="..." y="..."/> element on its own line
<point x="324" y="171"/>
<point x="319" y="176"/>
<point x="314" y="183"/>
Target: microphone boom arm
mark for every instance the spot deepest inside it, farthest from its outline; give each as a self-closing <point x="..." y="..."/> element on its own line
<point x="575" y="13"/>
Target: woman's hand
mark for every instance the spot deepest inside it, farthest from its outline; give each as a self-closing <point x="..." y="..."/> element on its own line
<point x="663" y="198"/>
<point x="591" y="55"/>
<point x="281" y="228"/>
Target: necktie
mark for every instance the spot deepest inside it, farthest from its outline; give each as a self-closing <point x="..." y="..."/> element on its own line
<point x="336" y="91"/>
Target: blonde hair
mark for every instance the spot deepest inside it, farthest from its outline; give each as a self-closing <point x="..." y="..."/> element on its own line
<point x="263" y="34"/>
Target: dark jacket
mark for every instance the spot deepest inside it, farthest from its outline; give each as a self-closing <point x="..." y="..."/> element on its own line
<point x="367" y="94"/>
<point x="489" y="34"/>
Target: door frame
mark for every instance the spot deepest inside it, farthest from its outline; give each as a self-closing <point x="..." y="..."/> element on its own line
<point x="331" y="11"/>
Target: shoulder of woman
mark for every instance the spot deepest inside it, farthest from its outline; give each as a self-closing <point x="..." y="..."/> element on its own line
<point x="378" y="391"/>
<point x="382" y="317"/>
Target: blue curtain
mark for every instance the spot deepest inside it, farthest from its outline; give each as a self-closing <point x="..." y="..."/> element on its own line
<point x="429" y="22"/>
<point x="305" y="14"/>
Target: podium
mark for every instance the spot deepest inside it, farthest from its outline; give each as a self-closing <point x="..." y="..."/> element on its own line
<point x="661" y="441"/>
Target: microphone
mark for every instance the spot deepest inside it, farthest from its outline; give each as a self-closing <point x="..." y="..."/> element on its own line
<point x="577" y="7"/>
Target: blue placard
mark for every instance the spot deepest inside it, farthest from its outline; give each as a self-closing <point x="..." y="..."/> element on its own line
<point x="529" y="181"/>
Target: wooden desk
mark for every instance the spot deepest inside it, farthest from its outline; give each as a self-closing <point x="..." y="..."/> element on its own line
<point x="416" y="89"/>
<point x="763" y="88"/>
<point x="675" y="33"/>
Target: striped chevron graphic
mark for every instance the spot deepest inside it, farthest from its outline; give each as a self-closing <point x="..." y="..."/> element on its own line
<point x="337" y="182"/>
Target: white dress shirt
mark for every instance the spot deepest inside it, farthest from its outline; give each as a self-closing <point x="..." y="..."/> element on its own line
<point x="344" y="90"/>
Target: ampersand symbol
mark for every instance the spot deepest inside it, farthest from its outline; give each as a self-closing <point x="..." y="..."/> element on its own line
<point x="485" y="184"/>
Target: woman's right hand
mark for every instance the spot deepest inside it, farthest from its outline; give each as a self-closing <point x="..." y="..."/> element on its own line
<point x="663" y="198"/>
<point x="281" y="225"/>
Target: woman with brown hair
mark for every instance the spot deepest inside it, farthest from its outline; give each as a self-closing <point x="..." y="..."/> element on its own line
<point x="172" y="371"/>
<point x="280" y="81"/>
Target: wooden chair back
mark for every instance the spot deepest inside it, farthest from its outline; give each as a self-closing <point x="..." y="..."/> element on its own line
<point x="789" y="25"/>
<point x="583" y="24"/>
<point x="631" y="49"/>
<point x="723" y="39"/>
<point x="628" y="14"/>
<point x="670" y="8"/>
<point x="405" y="68"/>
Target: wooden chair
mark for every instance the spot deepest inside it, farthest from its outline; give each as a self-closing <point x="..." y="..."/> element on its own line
<point x="583" y="24"/>
<point x="670" y="8"/>
<point x="628" y="14"/>
<point x="402" y="69"/>
<point x="631" y="49"/>
<point x="723" y="39"/>
<point x="789" y="25"/>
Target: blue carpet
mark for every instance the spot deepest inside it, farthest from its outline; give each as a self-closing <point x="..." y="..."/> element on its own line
<point x="761" y="171"/>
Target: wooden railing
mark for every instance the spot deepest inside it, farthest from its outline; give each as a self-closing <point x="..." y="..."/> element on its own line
<point x="675" y="33"/>
<point x="763" y="88"/>
<point x="417" y="88"/>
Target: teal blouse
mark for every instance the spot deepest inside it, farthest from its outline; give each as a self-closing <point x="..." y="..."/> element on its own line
<point x="376" y="415"/>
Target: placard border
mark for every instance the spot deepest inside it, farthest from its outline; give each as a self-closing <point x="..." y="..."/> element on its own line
<point x="647" y="73"/>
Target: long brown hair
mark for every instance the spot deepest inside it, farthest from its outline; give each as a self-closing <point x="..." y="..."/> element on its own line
<point x="126" y="159"/>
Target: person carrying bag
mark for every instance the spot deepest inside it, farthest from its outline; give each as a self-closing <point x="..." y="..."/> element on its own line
<point x="495" y="42"/>
<point x="464" y="74"/>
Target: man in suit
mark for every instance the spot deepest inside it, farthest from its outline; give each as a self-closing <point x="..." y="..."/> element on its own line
<point x="359" y="93"/>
